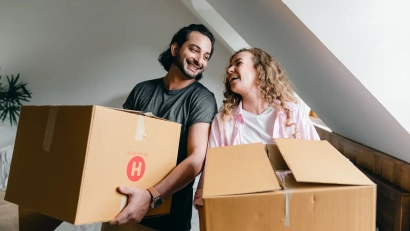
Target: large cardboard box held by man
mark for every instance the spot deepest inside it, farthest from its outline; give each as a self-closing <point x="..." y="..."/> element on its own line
<point x="292" y="185"/>
<point x="69" y="160"/>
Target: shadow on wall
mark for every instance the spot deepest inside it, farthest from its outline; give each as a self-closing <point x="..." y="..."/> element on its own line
<point x="116" y="102"/>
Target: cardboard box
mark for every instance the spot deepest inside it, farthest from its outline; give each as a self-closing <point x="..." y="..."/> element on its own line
<point x="292" y="185"/>
<point x="69" y="160"/>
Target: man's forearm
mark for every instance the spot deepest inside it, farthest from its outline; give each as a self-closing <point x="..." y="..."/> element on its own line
<point x="184" y="173"/>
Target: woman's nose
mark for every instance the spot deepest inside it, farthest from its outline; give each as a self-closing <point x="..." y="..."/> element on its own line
<point x="230" y="70"/>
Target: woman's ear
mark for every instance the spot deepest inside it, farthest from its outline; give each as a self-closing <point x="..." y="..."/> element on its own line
<point x="174" y="49"/>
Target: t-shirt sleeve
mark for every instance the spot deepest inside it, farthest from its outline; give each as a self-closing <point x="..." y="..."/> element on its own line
<point x="203" y="110"/>
<point x="130" y="102"/>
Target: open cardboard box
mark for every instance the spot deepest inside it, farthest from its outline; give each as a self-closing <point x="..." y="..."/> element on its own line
<point x="292" y="185"/>
<point x="69" y="160"/>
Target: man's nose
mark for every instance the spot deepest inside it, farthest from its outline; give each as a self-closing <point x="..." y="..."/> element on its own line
<point x="198" y="61"/>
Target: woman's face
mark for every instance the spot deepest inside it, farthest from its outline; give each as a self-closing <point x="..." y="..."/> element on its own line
<point x="242" y="74"/>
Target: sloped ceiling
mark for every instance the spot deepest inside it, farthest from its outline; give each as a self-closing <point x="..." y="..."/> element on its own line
<point x="322" y="81"/>
<point x="371" y="39"/>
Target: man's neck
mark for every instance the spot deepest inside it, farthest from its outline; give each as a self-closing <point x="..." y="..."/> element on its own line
<point x="175" y="80"/>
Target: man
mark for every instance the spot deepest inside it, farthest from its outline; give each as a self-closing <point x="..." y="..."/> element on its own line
<point x="177" y="97"/>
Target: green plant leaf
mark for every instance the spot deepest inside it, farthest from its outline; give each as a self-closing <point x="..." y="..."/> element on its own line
<point x="11" y="98"/>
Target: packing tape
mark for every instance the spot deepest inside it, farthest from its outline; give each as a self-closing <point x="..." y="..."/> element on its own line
<point x="287" y="193"/>
<point x="51" y="121"/>
<point x="140" y="131"/>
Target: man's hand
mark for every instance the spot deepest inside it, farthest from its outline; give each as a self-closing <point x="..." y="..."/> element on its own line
<point x="138" y="205"/>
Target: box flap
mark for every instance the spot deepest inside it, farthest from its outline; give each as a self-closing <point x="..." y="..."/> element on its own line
<point x="319" y="162"/>
<point x="238" y="169"/>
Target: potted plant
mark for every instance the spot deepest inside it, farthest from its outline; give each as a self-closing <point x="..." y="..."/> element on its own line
<point x="11" y="97"/>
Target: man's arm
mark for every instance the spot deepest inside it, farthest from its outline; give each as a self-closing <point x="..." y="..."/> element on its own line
<point x="215" y="140"/>
<point x="139" y="199"/>
<point x="188" y="169"/>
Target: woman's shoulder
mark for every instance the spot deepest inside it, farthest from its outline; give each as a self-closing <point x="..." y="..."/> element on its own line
<point x="296" y="109"/>
<point x="218" y="116"/>
<point x="293" y="106"/>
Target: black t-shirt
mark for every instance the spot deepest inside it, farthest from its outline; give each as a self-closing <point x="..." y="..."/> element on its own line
<point x="187" y="106"/>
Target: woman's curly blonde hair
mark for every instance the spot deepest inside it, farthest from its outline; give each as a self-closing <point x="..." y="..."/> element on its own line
<point x="273" y="83"/>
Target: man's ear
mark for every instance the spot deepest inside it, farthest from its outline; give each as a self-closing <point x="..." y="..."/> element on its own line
<point x="174" y="49"/>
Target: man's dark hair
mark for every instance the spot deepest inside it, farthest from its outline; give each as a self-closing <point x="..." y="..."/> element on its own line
<point x="166" y="58"/>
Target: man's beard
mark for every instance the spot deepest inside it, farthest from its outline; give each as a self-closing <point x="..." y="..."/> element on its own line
<point x="180" y="64"/>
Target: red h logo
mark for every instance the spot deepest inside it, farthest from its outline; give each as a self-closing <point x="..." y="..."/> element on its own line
<point x="136" y="168"/>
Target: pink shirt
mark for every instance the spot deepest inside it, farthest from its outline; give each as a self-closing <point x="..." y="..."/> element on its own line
<point x="231" y="132"/>
<point x="232" y="128"/>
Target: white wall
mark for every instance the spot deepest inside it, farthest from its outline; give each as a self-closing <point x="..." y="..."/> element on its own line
<point x="91" y="52"/>
<point x="371" y="38"/>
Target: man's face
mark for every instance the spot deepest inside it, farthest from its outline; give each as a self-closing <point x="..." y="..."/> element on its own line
<point x="192" y="57"/>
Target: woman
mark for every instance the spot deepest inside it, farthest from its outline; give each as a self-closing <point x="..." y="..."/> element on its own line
<point x="259" y="105"/>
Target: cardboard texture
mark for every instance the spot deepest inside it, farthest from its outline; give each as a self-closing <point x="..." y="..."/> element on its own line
<point x="319" y="189"/>
<point x="69" y="160"/>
